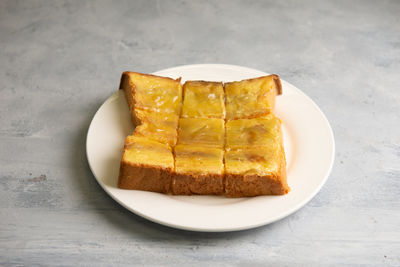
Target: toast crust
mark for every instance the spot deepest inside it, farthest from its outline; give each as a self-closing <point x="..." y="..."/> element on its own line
<point x="278" y="84"/>
<point x="254" y="185"/>
<point x="144" y="177"/>
<point x="188" y="184"/>
<point x="277" y="81"/>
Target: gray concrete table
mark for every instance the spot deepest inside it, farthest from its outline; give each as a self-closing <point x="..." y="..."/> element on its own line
<point x="60" y="60"/>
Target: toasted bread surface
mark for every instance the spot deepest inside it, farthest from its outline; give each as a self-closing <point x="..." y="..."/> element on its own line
<point x="202" y="160"/>
<point x="160" y="127"/>
<point x="251" y="98"/>
<point x="260" y="131"/>
<point x="151" y="93"/>
<point x="201" y="131"/>
<point x="142" y="150"/>
<point x="203" y="100"/>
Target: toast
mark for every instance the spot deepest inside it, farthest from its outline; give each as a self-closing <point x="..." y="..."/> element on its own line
<point x="155" y="102"/>
<point x="251" y="98"/>
<point x="203" y="100"/>
<point x="255" y="161"/>
<point x="203" y="137"/>
<point x="156" y="94"/>
<point x="255" y="132"/>
<point x="146" y="165"/>
<point x="160" y="126"/>
<point x="201" y="131"/>
<point x="255" y="171"/>
<point x="199" y="153"/>
<point x="198" y="170"/>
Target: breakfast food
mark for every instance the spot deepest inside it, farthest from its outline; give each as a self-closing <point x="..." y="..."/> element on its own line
<point x="155" y="102"/>
<point x="261" y="131"/>
<point x="203" y="100"/>
<point x="201" y="131"/>
<point x="251" y="98"/>
<point x="203" y="137"/>
<point x="198" y="170"/>
<point x="159" y="126"/>
<point x="157" y="94"/>
<point x="146" y="165"/>
<point x="255" y="171"/>
<point x="199" y="153"/>
<point x="254" y="157"/>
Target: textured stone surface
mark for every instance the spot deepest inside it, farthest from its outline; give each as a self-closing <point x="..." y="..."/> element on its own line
<point x="60" y="60"/>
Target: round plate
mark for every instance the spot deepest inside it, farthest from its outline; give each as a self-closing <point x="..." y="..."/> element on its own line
<point x="308" y="142"/>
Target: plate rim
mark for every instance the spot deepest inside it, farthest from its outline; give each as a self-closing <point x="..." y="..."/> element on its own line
<point x="288" y="212"/>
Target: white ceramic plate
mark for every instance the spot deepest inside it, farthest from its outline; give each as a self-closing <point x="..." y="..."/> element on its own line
<point x="308" y="142"/>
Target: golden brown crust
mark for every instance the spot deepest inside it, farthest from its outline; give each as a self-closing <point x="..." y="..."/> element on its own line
<point x="124" y="80"/>
<point x="129" y="89"/>
<point x="149" y="75"/>
<point x="188" y="184"/>
<point x="278" y="84"/>
<point x="276" y="78"/>
<point x="254" y="185"/>
<point x="144" y="177"/>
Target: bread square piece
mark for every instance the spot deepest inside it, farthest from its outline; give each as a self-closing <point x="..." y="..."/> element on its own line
<point x="255" y="161"/>
<point x="203" y="100"/>
<point x="151" y="93"/>
<point x="161" y="127"/>
<point x="198" y="170"/>
<point x="251" y="98"/>
<point x="255" y="171"/>
<point x="261" y="131"/>
<point x="201" y="132"/>
<point x="146" y="165"/>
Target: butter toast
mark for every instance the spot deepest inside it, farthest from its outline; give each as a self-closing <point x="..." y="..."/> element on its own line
<point x="198" y="170"/>
<point x="199" y="153"/>
<point x="155" y="102"/>
<point x="203" y="137"/>
<point x="146" y="165"/>
<point x="255" y="171"/>
<point x="201" y="131"/>
<point x="152" y="93"/>
<point x="254" y="158"/>
<point x="203" y="100"/>
<point x="259" y="131"/>
<point x="159" y="126"/>
<point x="251" y="98"/>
